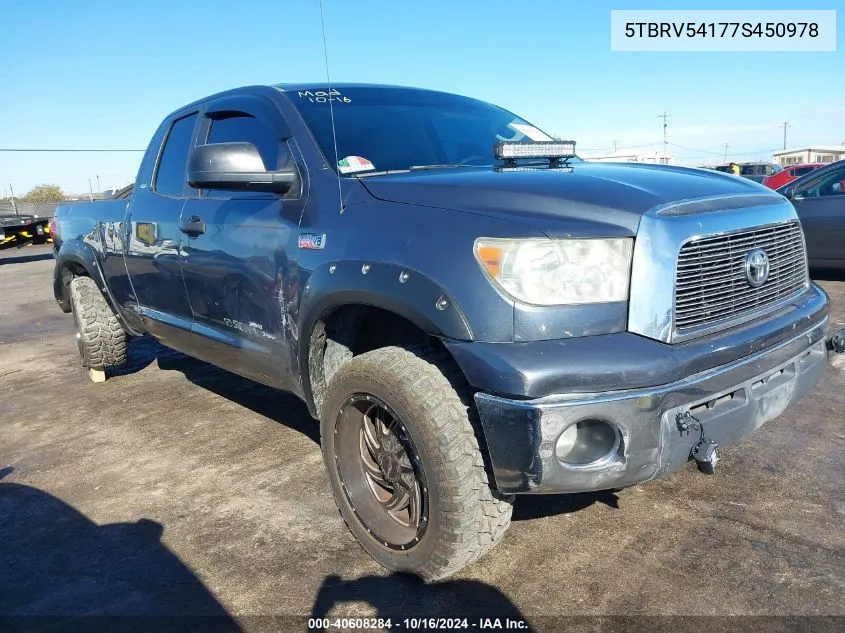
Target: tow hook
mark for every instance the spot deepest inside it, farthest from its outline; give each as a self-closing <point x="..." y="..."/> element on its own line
<point x="706" y="454"/>
<point x="837" y="342"/>
<point x="706" y="451"/>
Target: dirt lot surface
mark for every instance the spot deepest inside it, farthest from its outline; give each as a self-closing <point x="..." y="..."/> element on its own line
<point x="176" y="487"/>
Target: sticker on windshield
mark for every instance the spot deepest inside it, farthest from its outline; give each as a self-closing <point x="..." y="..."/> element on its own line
<point x="353" y="164"/>
<point x="531" y="132"/>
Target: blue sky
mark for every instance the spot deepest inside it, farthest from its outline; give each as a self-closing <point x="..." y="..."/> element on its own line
<point x="100" y="74"/>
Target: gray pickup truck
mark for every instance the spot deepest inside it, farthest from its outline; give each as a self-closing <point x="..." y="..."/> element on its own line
<point x="469" y="310"/>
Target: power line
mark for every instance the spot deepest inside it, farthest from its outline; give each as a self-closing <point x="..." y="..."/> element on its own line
<point x="30" y="149"/>
<point x="724" y="151"/>
<point x="695" y="149"/>
<point x="636" y="146"/>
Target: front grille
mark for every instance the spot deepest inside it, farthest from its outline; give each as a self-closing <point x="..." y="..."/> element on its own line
<point x="711" y="285"/>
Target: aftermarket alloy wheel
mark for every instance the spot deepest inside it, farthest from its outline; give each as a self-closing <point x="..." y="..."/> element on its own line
<point x="399" y="442"/>
<point x="380" y="472"/>
<point x="100" y="337"/>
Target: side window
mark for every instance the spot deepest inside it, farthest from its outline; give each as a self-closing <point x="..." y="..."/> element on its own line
<point x="830" y="184"/>
<point x="246" y="128"/>
<point x="170" y="176"/>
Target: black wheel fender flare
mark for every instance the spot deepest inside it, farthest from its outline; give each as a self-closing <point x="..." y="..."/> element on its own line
<point x="397" y="289"/>
<point x="83" y="255"/>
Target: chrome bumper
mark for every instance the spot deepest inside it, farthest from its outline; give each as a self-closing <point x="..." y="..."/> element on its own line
<point x="729" y="401"/>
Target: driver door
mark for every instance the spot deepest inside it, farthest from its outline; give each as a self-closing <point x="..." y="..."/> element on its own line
<point x="239" y="261"/>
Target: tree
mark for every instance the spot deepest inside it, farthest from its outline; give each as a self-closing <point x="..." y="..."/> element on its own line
<point x="44" y="193"/>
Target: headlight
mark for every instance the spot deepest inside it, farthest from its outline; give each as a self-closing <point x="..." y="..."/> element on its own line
<point x="558" y="272"/>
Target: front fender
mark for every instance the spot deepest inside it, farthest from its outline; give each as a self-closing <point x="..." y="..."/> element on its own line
<point x="394" y="288"/>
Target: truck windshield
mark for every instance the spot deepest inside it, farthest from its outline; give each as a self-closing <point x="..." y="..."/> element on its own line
<point x="387" y="129"/>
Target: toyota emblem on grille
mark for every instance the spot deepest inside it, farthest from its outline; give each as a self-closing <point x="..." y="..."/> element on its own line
<point x="757" y="267"/>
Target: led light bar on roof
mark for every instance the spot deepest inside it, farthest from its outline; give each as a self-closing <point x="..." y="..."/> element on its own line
<point x="552" y="150"/>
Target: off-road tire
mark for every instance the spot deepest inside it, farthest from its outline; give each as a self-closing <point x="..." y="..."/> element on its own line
<point x="101" y="338"/>
<point x="428" y="393"/>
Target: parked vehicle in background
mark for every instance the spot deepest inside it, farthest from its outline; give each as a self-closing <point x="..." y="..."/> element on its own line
<point x="758" y="172"/>
<point x="788" y="174"/>
<point x="469" y="310"/>
<point x="819" y="199"/>
<point x="752" y="171"/>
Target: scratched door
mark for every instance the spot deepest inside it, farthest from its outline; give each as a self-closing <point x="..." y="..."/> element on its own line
<point x="238" y="269"/>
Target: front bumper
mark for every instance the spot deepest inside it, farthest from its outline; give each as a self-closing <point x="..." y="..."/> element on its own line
<point x="730" y="402"/>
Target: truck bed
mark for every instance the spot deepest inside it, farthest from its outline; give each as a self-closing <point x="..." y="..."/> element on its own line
<point x="82" y="217"/>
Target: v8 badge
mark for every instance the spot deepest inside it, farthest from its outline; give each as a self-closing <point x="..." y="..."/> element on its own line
<point x="312" y="241"/>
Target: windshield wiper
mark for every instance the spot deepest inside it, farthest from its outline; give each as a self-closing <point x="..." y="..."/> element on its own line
<point x="366" y="174"/>
<point x="443" y="166"/>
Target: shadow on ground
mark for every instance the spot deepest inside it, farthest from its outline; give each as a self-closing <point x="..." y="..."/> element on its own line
<point x="276" y="405"/>
<point x="22" y="257"/>
<point x="62" y="571"/>
<point x="529" y="507"/>
<point x="401" y="596"/>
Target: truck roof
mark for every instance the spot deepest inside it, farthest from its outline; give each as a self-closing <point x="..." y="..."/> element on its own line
<point x="344" y="86"/>
<point x="296" y="87"/>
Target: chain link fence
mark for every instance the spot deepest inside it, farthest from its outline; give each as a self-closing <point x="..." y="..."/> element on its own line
<point x="37" y="209"/>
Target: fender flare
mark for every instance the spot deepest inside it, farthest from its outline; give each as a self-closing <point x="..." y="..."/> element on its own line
<point x="397" y="289"/>
<point x="77" y="252"/>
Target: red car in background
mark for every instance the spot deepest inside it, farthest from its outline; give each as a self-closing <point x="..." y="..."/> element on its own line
<point x="790" y="173"/>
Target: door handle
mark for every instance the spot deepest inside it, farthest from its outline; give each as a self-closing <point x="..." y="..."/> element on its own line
<point x="193" y="226"/>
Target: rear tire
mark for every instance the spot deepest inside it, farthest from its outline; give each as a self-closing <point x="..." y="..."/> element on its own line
<point x="99" y="335"/>
<point x="432" y="460"/>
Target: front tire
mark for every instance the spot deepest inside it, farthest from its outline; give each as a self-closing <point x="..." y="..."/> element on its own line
<point x="399" y="440"/>
<point x="99" y="335"/>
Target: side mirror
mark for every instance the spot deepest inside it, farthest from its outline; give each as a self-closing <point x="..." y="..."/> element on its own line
<point x="789" y="193"/>
<point x="236" y="167"/>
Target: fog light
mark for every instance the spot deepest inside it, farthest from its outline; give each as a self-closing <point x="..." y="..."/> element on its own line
<point x="586" y="442"/>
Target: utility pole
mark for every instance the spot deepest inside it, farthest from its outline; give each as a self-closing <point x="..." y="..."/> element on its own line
<point x="726" y="153"/>
<point x="14" y="204"/>
<point x="665" y="116"/>
<point x="784" y="126"/>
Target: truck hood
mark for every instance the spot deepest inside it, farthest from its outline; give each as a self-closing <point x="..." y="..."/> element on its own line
<point x="577" y="201"/>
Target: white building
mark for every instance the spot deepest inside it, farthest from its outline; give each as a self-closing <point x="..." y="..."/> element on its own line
<point x="655" y="158"/>
<point x="815" y="154"/>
